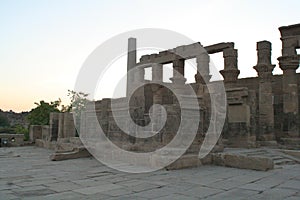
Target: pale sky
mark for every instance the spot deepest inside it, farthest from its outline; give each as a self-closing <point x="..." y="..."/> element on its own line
<point x="43" y="43"/>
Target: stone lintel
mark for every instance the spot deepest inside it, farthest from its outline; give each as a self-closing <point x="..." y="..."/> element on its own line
<point x="184" y="52"/>
<point x="180" y="52"/>
<point x="216" y="48"/>
<point x="290" y="30"/>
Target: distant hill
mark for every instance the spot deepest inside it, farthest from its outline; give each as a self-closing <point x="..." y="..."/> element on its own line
<point x="14" y="118"/>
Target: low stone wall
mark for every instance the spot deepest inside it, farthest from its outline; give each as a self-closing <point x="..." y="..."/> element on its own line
<point x="38" y="132"/>
<point x="11" y="140"/>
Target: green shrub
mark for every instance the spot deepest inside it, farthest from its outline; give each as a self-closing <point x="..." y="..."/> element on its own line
<point x="22" y="130"/>
<point x="40" y="114"/>
<point x="3" y="121"/>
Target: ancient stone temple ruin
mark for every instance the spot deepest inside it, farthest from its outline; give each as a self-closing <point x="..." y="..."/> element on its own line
<point x="260" y="111"/>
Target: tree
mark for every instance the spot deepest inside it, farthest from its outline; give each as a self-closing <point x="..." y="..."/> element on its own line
<point x="40" y="114"/>
<point x="78" y="104"/>
<point x="3" y="121"/>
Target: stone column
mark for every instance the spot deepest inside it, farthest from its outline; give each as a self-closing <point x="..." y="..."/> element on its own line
<point x="53" y="122"/>
<point x="157" y="72"/>
<point x="202" y="67"/>
<point x="289" y="64"/>
<point x="131" y="61"/>
<point x="178" y="72"/>
<point x="61" y="125"/>
<point x="157" y="77"/>
<point x="157" y="99"/>
<point x="69" y="125"/>
<point x="264" y="69"/>
<point x="230" y="71"/>
<point x="137" y="96"/>
<point x="139" y="75"/>
<point x="35" y="132"/>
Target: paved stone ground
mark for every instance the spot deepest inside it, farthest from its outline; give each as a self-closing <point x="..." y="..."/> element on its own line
<point x="27" y="173"/>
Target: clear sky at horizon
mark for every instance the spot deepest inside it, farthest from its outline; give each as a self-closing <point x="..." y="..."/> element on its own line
<point x="43" y="43"/>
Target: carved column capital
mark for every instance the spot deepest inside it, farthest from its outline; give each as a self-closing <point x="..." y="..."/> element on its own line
<point x="230" y="58"/>
<point x="230" y="72"/>
<point x="289" y="62"/>
<point x="230" y="75"/>
<point x="264" y="66"/>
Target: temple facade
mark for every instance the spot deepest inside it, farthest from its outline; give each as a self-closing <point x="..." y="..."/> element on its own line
<point x="256" y="111"/>
<point x="262" y="110"/>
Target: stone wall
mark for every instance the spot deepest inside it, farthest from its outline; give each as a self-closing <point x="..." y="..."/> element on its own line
<point x="11" y="140"/>
<point x="61" y="126"/>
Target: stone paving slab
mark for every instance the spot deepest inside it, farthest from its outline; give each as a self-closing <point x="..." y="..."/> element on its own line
<point x="28" y="173"/>
<point x="34" y="192"/>
<point x="276" y="193"/>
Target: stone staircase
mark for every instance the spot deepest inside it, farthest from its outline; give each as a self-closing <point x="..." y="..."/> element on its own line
<point x="69" y="148"/>
<point x="278" y="157"/>
<point x="261" y="158"/>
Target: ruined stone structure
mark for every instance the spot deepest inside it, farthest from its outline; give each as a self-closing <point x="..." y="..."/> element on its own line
<point x="61" y="126"/>
<point x="262" y="110"/>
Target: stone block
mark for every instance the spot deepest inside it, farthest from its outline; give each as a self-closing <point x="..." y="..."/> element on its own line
<point x="294" y="153"/>
<point x="39" y="143"/>
<point x="35" y="132"/>
<point x="50" y="145"/>
<point x="76" y="141"/>
<point x="80" y="152"/>
<point x="248" y="162"/>
<point x="208" y="159"/>
<point x="291" y="142"/>
<point x="185" y="161"/>
<point x="239" y="113"/>
<point x="218" y="159"/>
